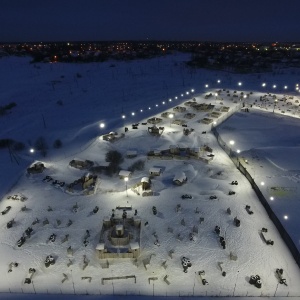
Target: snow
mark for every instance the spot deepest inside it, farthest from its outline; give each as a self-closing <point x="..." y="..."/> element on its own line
<point x="267" y="140"/>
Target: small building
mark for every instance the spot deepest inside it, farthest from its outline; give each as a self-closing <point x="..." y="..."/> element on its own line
<point x="123" y="174"/>
<point x="180" y="178"/>
<point x="146" y="183"/>
<point x="155" y="171"/>
<point x="179" y="109"/>
<point x="154" y="130"/>
<point x="79" y="164"/>
<point x="167" y="114"/>
<point x="179" y="122"/>
<point x="154" y="120"/>
<point x="131" y="153"/>
<point x="119" y="237"/>
<point x="36" y="168"/>
<point x="189" y="115"/>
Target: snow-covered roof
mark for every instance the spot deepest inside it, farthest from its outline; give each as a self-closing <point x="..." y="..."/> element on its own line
<point x="124" y="173"/>
<point x="155" y="170"/>
<point x="100" y="246"/>
<point x="145" y="179"/>
<point x="134" y="245"/>
<point x="180" y="177"/>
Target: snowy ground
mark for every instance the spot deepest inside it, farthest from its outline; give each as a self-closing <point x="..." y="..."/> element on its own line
<point x="103" y="94"/>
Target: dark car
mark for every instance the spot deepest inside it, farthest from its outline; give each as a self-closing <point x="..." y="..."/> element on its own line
<point x="6" y="210"/>
<point x="186" y="196"/>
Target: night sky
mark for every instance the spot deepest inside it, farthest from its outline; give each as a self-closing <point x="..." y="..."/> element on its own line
<point x="203" y="20"/>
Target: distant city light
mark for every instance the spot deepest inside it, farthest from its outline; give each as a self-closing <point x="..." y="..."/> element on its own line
<point x="31" y="150"/>
<point x="102" y="125"/>
<point x="187" y="93"/>
<point x="141" y="110"/>
<point x="206" y="85"/>
<point x="181" y="95"/>
<point x="156" y="105"/>
<point x="192" y="90"/>
<point x="285" y="87"/>
<point x="231" y="142"/>
<point x="218" y="81"/>
<point x="274" y="86"/>
<point x="238" y="150"/>
<point x="123" y="116"/>
<point x="263" y="84"/>
<point x="239" y="83"/>
<point x="132" y="113"/>
<point x="175" y="98"/>
<point x="245" y="96"/>
<point x="271" y="198"/>
<point x="170" y="100"/>
<point x="262" y="183"/>
<point x="149" y="107"/>
<point x="285" y="217"/>
<point x="163" y="102"/>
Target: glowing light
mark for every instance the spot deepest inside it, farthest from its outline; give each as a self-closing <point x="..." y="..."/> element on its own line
<point x="262" y="183"/>
<point x="31" y="150"/>
<point x="238" y="150"/>
<point x="285" y="87"/>
<point x="216" y="94"/>
<point x="206" y="85"/>
<point x="175" y="98"/>
<point x="245" y="96"/>
<point x="274" y="86"/>
<point x="132" y="113"/>
<point x="149" y="108"/>
<point x="123" y="117"/>
<point x="141" y="110"/>
<point x="231" y="142"/>
<point x="181" y="95"/>
<point x="163" y="102"/>
<point x="218" y="81"/>
<point x="271" y="198"/>
<point x="239" y="83"/>
<point x="187" y="93"/>
<point x="192" y="90"/>
<point x="263" y="84"/>
<point x="102" y="125"/>
<point x="285" y="217"/>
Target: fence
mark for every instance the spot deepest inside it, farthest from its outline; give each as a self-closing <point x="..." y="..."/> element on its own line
<point x="284" y="234"/>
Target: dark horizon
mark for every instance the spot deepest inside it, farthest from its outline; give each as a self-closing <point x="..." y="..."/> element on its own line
<point x="156" y="20"/>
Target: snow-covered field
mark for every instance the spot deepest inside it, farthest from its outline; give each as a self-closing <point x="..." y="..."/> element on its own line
<point x="91" y="94"/>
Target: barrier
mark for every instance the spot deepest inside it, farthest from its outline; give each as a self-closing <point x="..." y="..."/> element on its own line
<point x="284" y="234"/>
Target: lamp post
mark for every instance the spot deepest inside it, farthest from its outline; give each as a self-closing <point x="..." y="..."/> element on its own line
<point x="126" y="179"/>
<point x="171" y="116"/>
<point x="275" y="102"/>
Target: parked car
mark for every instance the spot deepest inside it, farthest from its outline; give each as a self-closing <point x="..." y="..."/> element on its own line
<point x="6" y="210"/>
<point x="186" y="196"/>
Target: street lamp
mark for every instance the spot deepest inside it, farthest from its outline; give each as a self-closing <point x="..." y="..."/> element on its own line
<point x="171" y="116"/>
<point x="126" y="179"/>
<point x="275" y="102"/>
